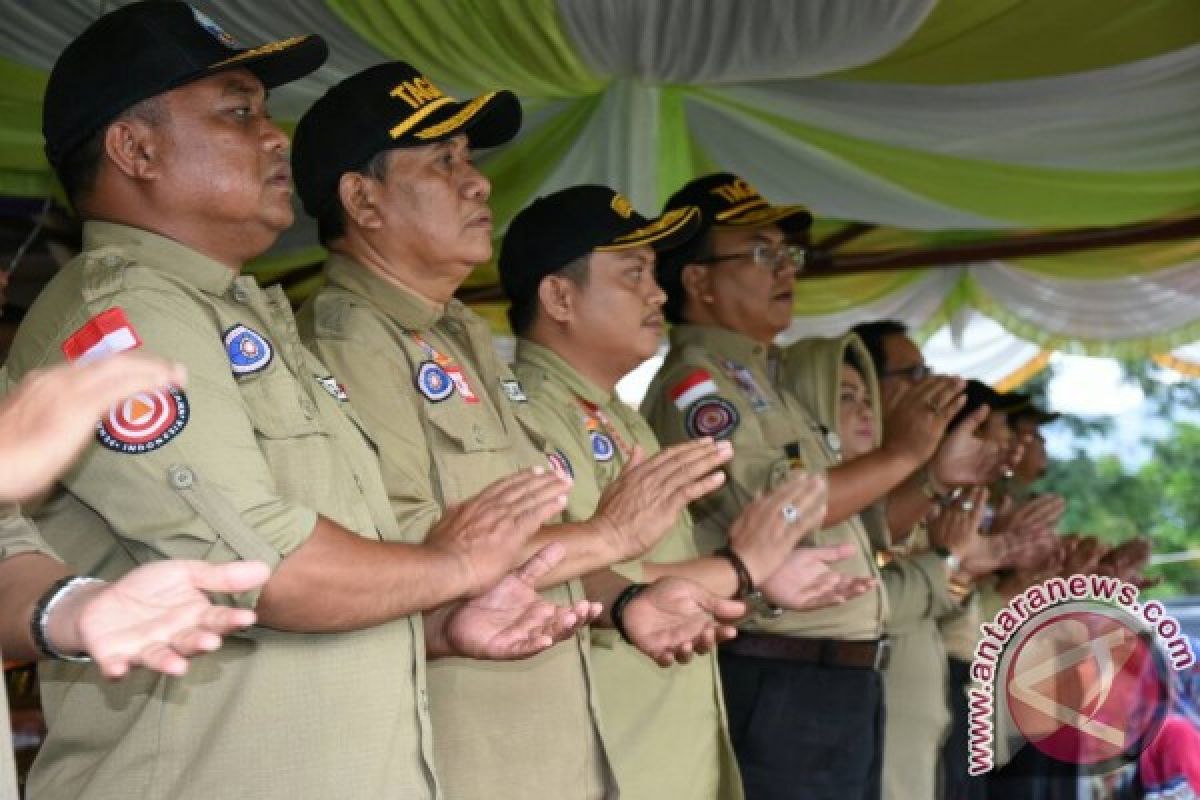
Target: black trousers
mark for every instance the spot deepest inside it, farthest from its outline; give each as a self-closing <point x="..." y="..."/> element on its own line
<point x="958" y="784"/>
<point x="804" y="732"/>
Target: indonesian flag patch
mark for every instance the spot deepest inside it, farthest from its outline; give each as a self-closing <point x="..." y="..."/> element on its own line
<point x="697" y="384"/>
<point x="105" y="334"/>
<point x="145" y="421"/>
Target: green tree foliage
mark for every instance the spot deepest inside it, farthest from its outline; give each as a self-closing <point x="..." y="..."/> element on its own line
<point x="1161" y="499"/>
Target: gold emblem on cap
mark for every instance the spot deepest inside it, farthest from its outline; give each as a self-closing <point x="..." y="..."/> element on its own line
<point x="266" y="49"/>
<point x="736" y="191"/>
<point x="620" y="204"/>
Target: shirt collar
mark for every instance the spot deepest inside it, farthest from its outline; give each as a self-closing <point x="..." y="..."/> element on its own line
<point x="404" y="306"/>
<point x="722" y="342"/>
<point x="158" y="252"/>
<point x="543" y="358"/>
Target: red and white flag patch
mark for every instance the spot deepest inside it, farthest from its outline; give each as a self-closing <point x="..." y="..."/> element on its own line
<point x="105" y="334"/>
<point x="699" y="383"/>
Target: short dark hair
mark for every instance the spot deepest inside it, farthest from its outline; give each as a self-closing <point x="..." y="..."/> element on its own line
<point x="331" y="223"/>
<point x="669" y="272"/>
<point x="78" y="169"/>
<point x="873" y="334"/>
<point x="522" y="311"/>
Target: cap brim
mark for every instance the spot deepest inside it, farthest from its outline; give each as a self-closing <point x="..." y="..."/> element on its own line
<point x="488" y="120"/>
<point x="790" y="218"/>
<point x="277" y="63"/>
<point x="669" y="231"/>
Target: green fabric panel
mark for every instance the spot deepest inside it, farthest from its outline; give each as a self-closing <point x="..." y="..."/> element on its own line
<point x="817" y="296"/>
<point x="22" y="163"/>
<point x="970" y="41"/>
<point x="515" y="44"/>
<point x="269" y="269"/>
<point x="676" y="160"/>
<point x="1034" y="196"/>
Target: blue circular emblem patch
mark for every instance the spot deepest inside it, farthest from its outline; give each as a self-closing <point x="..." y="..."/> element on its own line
<point x="602" y="446"/>
<point x="712" y="416"/>
<point x="433" y="382"/>
<point x="247" y="349"/>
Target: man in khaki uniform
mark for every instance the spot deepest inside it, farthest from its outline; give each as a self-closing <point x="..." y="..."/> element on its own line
<point x="803" y="690"/>
<point x="260" y="458"/>
<point x="578" y="268"/>
<point x="383" y="161"/>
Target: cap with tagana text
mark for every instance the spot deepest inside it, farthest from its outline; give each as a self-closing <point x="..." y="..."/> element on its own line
<point x="726" y="200"/>
<point x="144" y="49"/>
<point x="556" y="229"/>
<point x="384" y="107"/>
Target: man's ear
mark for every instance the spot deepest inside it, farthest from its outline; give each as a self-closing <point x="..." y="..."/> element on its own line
<point x="697" y="283"/>
<point x="556" y="296"/>
<point x="359" y="196"/>
<point x="133" y="148"/>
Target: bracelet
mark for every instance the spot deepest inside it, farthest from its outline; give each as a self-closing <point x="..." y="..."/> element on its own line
<point x="41" y="617"/>
<point x="953" y="563"/>
<point x="745" y="581"/>
<point x="617" y="613"/>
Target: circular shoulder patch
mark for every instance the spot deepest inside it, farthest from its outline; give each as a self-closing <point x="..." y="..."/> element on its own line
<point x="248" y="350"/>
<point x="712" y="416"/>
<point x="602" y="446"/>
<point x="144" y="422"/>
<point x="561" y="464"/>
<point x="433" y="382"/>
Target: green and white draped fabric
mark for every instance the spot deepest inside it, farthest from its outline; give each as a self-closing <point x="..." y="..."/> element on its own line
<point x="936" y="120"/>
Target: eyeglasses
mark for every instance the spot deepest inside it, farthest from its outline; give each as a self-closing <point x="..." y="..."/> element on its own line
<point x="915" y="373"/>
<point x="765" y="256"/>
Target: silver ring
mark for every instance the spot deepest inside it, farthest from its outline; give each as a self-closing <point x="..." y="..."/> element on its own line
<point x="791" y="514"/>
<point x="967" y="505"/>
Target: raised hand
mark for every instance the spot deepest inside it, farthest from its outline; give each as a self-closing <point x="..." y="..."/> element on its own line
<point x="1041" y="513"/>
<point x="915" y="421"/>
<point x="48" y="418"/>
<point x="957" y="529"/>
<point x="769" y="528"/>
<point x="155" y="616"/>
<point x="674" y="618"/>
<point x="486" y="534"/>
<point x="806" y="581"/>
<point x="641" y="505"/>
<point x="963" y="459"/>
<point x="511" y="620"/>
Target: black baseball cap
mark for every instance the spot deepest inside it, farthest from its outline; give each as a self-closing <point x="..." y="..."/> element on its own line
<point x="144" y="49"/>
<point x="556" y="229"/>
<point x="384" y="107"/>
<point x="726" y="200"/>
<point x="979" y="394"/>
<point x="1022" y="407"/>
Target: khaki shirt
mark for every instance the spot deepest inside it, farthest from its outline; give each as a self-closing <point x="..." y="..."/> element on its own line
<point x="449" y="420"/>
<point x="259" y="454"/>
<point x="665" y="729"/>
<point x="17" y="535"/>
<point x="771" y="433"/>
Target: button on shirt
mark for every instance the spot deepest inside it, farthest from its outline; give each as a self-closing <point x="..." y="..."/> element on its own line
<point x="237" y="465"/>
<point x="440" y="404"/>
<point x="718" y="382"/>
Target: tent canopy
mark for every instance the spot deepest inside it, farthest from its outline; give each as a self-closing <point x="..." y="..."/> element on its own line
<point x="922" y="122"/>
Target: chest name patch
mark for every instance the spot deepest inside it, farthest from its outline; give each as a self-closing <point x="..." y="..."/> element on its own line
<point x="514" y="391"/>
<point x="336" y="390"/>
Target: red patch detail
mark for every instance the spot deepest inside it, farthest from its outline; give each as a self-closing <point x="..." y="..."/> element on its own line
<point x="106" y="333"/>
<point x="693" y="379"/>
<point x="144" y="421"/>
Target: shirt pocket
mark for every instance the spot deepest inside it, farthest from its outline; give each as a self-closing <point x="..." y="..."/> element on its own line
<point x="470" y="450"/>
<point x="278" y="406"/>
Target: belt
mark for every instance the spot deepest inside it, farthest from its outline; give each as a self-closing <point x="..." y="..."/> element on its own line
<point x="873" y="654"/>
